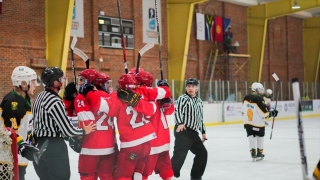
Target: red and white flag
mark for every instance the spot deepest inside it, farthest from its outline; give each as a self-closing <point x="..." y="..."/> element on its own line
<point x="0" y="6"/>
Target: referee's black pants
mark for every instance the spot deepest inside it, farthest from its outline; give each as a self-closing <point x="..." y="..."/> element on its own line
<point x="184" y="141"/>
<point x="54" y="162"/>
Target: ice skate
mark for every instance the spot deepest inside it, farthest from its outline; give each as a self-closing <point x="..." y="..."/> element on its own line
<point x="259" y="156"/>
<point x="253" y="154"/>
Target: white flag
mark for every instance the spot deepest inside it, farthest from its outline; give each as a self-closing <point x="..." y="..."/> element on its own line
<point x="200" y="27"/>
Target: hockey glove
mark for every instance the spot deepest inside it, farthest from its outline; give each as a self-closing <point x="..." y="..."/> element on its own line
<point x="85" y="88"/>
<point x="166" y="103"/>
<point x="27" y="151"/>
<point x="273" y="113"/>
<point x="29" y="137"/>
<point x="70" y="91"/>
<point x="128" y="96"/>
<point x="75" y="143"/>
<point x="162" y="83"/>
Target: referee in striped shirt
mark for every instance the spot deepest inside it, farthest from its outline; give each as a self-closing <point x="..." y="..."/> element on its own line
<point x="51" y="123"/>
<point x="188" y="121"/>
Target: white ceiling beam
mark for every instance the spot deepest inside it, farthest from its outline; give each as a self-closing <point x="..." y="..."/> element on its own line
<point x="247" y="2"/>
<point x="302" y="14"/>
<point x="242" y="2"/>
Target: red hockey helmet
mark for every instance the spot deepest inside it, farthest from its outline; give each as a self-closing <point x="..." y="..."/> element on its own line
<point x="127" y="81"/>
<point x="102" y="82"/>
<point x="90" y="75"/>
<point x="133" y="70"/>
<point x="102" y="78"/>
<point x="144" y="78"/>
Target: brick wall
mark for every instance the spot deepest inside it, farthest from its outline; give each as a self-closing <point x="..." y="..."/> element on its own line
<point x="22" y="38"/>
<point x="284" y="51"/>
<point x="284" y="44"/>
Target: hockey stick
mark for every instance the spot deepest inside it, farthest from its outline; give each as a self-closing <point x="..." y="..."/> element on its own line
<point x="73" y="43"/>
<point x="83" y="56"/>
<point x="37" y="156"/>
<point x="159" y="39"/>
<point x="274" y="75"/>
<point x="296" y="97"/>
<point x="122" y="40"/>
<point x="145" y="48"/>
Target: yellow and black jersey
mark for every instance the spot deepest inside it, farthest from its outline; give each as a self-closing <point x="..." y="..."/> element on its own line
<point x="15" y="112"/>
<point x="316" y="172"/>
<point x="254" y="110"/>
<point x="267" y="100"/>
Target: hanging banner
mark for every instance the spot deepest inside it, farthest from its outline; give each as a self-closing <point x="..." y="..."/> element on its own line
<point x="77" y="26"/>
<point x="226" y="24"/>
<point x="200" y="26"/>
<point x="149" y="21"/>
<point x="218" y="29"/>
<point x="209" y="27"/>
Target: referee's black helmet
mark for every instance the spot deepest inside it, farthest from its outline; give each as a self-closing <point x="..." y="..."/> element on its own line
<point x="51" y="74"/>
<point x="192" y="81"/>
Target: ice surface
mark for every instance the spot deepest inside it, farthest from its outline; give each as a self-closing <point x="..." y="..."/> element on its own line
<point x="229" y="157"/>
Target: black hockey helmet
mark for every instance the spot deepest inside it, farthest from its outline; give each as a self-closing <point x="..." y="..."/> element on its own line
<point x="192" y="81"/>
<point x="51" y="74"/>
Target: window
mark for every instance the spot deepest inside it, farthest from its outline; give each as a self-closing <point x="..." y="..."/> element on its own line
<point x="110" y="34"/>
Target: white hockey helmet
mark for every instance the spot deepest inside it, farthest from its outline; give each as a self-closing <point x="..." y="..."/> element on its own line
<point x="269" y="91"/>
<point x="23" y="73"/>
<point x="257" y="87"/>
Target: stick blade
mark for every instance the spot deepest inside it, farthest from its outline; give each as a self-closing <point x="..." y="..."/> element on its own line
<point x="148" y="46"/>
<point x="74" y="42"/>
<point x="81" y="54"/>
<point x="275" y="77"/>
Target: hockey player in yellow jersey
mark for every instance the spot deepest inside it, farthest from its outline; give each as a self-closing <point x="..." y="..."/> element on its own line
<point x="255" y="112"/>
<point x="316" y="172"/>
<point x="15" y="113"/>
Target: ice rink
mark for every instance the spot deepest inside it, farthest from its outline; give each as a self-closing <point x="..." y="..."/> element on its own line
<point x="229" y="157"/>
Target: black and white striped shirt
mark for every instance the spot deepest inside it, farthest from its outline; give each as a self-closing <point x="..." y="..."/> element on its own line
<point x="189" y="111"/>
<point x="50" y="119"/>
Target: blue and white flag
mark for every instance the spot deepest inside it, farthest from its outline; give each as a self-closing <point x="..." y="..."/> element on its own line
<point x="226" y="24"/>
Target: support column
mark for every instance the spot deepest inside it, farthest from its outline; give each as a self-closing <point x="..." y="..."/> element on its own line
<point x="180" y="14"/>
<point x="178" y="42"/>
<point x="257" y="29"/>
<point x="58" y="28"/>
<point x="311" y="49"/>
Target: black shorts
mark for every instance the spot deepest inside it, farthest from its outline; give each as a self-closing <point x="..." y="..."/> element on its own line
<point x="255" y="131"/>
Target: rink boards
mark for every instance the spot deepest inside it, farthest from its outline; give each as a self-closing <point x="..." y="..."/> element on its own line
<point x="231" y="113"/>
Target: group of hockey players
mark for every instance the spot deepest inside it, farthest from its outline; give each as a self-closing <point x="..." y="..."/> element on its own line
<point x="139" y="110"/>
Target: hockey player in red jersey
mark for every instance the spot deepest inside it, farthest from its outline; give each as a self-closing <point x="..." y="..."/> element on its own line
<point x="145" y="80"/>
<point x="135" y="132"/>
<point x="159" y="158"/>
<point x="70" y="92"/>
<point x="97" y="155"/>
